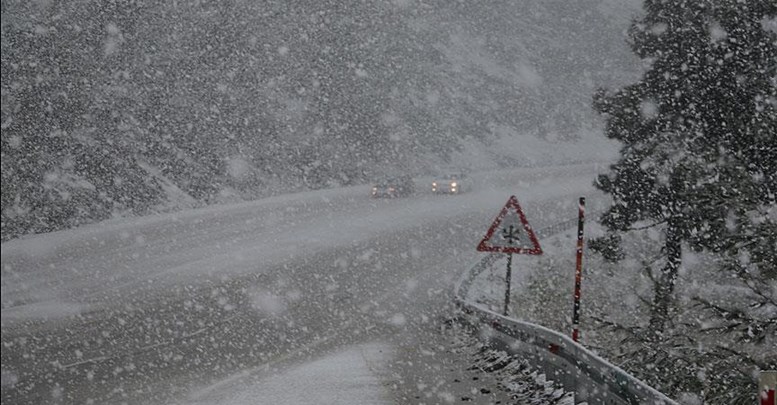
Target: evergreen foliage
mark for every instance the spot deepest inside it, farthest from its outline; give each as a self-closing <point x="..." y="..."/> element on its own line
<point x="699" y="154"/>
<point x="699" y="163"/>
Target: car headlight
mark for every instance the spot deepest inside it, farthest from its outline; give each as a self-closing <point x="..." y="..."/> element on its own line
<point x="454" y="184"/>
<point x="434" y="184"/>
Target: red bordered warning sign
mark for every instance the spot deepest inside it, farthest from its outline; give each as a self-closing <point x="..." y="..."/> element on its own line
<point x="511" y="232"/>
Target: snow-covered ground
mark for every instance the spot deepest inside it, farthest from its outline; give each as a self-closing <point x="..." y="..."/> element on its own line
<point x="345" y="377"/>
<point x="154" y="309"/>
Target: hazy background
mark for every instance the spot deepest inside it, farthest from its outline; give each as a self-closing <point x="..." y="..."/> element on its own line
<point x="129" y="107"/>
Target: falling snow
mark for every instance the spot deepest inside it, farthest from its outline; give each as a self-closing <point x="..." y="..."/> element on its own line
<point x="189" y="209"/>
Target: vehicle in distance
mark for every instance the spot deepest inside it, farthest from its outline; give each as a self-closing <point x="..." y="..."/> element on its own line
<point x="451" y="183"/>
<point x="400" y="186"/>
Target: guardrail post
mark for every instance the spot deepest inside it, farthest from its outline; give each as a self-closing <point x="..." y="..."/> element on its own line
<point x="767" y="385"/>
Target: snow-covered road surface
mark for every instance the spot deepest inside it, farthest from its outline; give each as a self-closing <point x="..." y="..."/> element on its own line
<point x="347" y="377"/>
<point x="150" y="310"/>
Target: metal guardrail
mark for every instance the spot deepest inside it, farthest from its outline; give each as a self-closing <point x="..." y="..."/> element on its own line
<point x="591" y="378"/>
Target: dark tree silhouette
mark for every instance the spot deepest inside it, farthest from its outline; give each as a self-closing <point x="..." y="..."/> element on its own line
<point x="699" y="134"/>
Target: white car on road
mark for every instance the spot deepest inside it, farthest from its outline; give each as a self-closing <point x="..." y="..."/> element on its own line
<point x="451" y="183"/>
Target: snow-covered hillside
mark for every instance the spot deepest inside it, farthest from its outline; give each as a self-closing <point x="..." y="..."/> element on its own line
<point x="114" y="110"/>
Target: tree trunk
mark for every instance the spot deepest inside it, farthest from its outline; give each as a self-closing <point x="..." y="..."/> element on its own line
<point x="665" y="281"/>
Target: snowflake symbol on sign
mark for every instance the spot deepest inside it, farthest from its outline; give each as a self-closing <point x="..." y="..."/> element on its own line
<point x="511" y="234"/>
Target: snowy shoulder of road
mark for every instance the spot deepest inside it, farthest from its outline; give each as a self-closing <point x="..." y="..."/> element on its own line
<point x="346" y="377"/>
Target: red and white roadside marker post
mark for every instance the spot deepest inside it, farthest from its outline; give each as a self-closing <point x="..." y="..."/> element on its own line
<point x="767" y="385"/>
<point x="578" y="271"/>
<point x="510" y="233"/>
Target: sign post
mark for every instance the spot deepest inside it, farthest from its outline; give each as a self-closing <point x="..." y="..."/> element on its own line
<point x="510" y="233"/>
<point x="507" y="281"/>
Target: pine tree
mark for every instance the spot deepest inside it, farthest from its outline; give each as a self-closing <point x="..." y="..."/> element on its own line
<point x="699" y="136"/>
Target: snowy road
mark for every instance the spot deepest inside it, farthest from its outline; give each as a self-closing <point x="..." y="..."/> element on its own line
<point x="207" y="305"/>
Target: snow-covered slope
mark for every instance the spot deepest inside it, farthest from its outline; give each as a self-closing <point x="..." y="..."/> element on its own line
<point x="157" y="104"/>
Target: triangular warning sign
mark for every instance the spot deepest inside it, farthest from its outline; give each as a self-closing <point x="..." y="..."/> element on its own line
<point x="511" y="232"/>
